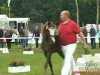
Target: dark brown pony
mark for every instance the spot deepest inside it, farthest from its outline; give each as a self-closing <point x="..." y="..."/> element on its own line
<point x="49" y="46"/>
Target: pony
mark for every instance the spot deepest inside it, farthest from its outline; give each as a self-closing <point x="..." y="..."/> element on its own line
<point x="50" y="44"/>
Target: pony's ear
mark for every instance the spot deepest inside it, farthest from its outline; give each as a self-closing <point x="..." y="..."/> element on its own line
<point x="49" y="22"/>
<point x="47" y="27"/>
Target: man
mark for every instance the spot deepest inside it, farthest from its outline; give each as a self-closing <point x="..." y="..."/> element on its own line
<point x="67" y="34"/>
<point x="16" y="34"/>
<point x="36" y="34"/>
<point x="99" y="37"/>
<point x="1" y="36"/>
<point x="92" y="35"/>
<point x="26" y="35"/>
<point x="22" y="34"/>
<point x="9" y="34"/>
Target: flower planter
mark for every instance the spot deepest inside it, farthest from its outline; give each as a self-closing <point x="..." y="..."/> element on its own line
<point x="4" y="50"/>
<point x="28" y="52"/>
<point x="19" y="69"/>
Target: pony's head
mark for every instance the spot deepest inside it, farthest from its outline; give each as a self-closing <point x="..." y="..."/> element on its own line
<point x="51" y="27"/>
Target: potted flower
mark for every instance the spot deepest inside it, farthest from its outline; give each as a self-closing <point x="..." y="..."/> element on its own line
<point x="13" y="64"/>
<point x="16" y="67"/>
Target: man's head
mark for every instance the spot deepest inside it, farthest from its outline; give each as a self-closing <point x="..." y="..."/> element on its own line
<point x="65" y="15"/>
<point x="91" y="26"/>
<point x="36" y="27"/>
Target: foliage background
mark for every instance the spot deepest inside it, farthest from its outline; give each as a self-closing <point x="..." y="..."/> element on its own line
<point x="43" y="10"/>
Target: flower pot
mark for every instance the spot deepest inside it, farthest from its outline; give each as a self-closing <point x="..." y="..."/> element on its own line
<point x="28" y="52"/>
<point x="19" y="69"/>
<point x="4" y="50"/>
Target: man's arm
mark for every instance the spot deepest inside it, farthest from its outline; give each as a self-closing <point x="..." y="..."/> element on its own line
<point x="84" y="42"/>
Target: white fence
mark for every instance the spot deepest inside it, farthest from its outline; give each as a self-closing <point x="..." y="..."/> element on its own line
<point x="32" y="39"/>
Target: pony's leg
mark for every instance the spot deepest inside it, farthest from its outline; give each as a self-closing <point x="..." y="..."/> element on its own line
<point x="61" y="54"/>
<point x="45" y="67"/>
<point x="51" y="67"/>
<point x="47" y="55"/>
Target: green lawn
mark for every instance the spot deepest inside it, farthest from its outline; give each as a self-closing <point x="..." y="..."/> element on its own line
<point x="36" y="61"/>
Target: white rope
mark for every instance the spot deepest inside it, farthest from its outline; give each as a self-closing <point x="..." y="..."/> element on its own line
<point x="39" y="37"/>
<point x="90" y="37"/>
<point x="21" y="38"/>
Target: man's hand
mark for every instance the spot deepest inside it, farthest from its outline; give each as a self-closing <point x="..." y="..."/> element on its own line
<point x="84" y="43"/>
<point x="85" y="48"/>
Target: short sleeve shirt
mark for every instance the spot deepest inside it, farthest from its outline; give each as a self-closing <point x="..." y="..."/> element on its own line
<point x="68" y="31"/>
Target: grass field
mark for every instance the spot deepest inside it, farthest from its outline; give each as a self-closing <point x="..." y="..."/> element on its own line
<point x="36" y="61"/>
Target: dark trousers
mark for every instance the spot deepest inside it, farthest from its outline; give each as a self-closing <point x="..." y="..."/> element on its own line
<point x="1" y="43"/>
<point x="24" y="43"/>
<point x="16" y="41"/>
<point x="93" y="43"/>
<point x="36" y="42"/>
<point x="19" y="41"/>
<point x="8" y="44"/>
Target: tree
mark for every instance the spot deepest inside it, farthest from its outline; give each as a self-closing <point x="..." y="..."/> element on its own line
<point x="5" y="10"/>
<point x="77" y="11"/>
<point x="82" y="11"/>
<point x="97" y="9"/>
<point x="97" y="20"/>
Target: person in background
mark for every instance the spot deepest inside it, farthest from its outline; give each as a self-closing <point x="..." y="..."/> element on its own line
<point x="21" y="33"/>
<point x="85" y="33"/>
<point x="8" y="34"/>
<point x="1" y="36"/>
<point x="92" y="35"/>
<point x="23" y="40"/>
<point x="99" y="37"/>
<point x="36" y="34"/>
<point x="26" y="33"/>
<point x="16" y="34"/>
<point x="67" y="31"/>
